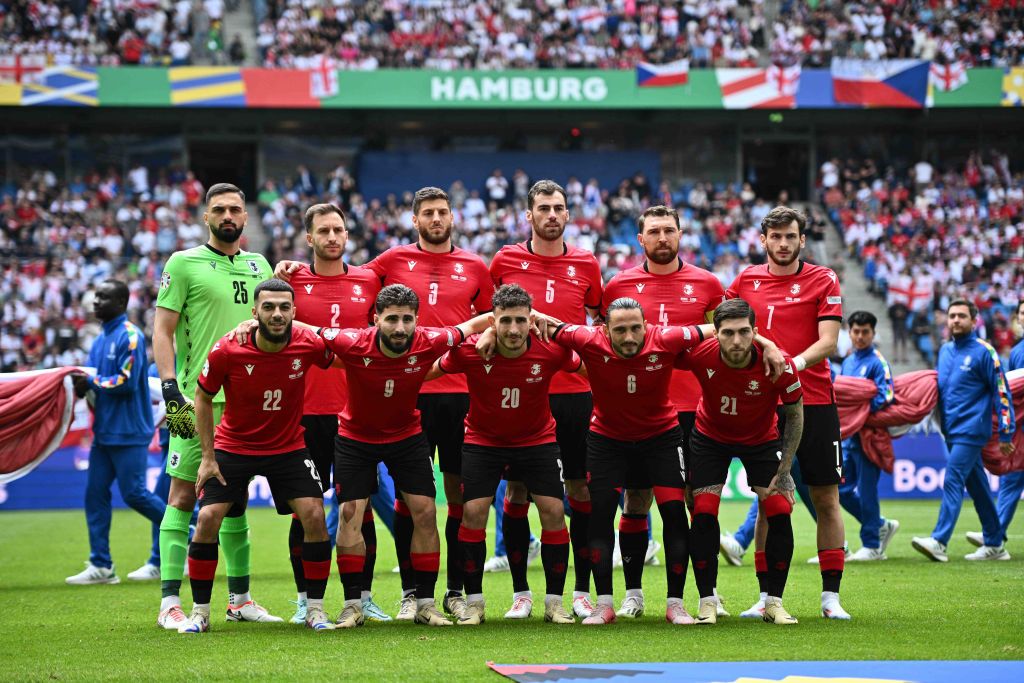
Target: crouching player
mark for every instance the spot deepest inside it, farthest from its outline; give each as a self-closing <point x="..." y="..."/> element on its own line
<point x="509" y="425"/>
<point x="260" y="434"/>
<point x="736" y="416"/>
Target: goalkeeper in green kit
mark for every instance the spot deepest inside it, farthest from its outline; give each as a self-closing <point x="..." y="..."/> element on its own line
<point x="204" y="293"/>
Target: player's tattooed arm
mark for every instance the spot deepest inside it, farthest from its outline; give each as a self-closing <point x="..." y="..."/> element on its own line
<point x="782" y="482"/>
<point x="285" y="269"/>
<point x="208" y="468"/>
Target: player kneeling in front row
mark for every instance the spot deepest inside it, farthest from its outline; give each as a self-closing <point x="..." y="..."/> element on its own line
<point x="260" y="434"/>
<point x="736" y="416"/>
<point x="509" y="425"/>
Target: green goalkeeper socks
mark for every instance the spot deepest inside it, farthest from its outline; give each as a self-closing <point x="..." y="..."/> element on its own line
<point x="234" y="543"/>
<point x="173" y="549"/>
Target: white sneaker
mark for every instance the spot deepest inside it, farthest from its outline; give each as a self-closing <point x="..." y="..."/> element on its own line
<point x="147" y="572"/>
<point x="171" y="618"/>
<point x="498" y="563"/>
<point x="651" y="558"/>
<point x="632" y="607"/>
<point x="532" y="554"/>
<point x="198" y="622"/>
<point x="601" y="615"/>
<point x="720" y="606"/>
<point x="582" y="607"/>
<point x="830" y="607"/>
<point x="707" y="611"/>
<point x="93" y="575"/>
<point x="975" y="538"/>
<point x="301" y="607"/>
<point x="351" y="616"/>
<point x="731" y="549"/>
<point x="756" y="610"/>
<point x="930" y="548"/>
<point x="989" y="552"/>
<point x="675" y="613"/>
<point x="886" y="532"/>
<point x="521" y="608"/>
<point x="406" y="609"/>
<point x="867" y="555"/>
<point x="250" y="611"/>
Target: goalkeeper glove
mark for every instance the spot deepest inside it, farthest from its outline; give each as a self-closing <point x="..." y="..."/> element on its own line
<point x="180" y="413"/>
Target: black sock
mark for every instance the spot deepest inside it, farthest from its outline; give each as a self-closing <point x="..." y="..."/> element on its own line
<point x="451" y="539"/>
<point x="369" y="530"/>
<point x="633" y="548"/>
<point x="676" y="533"/>
<point x="516" y="529"/>
<point x="579" y="534"/>
<point x="704" y="543"/>
<point x="202" y="567"/>
<point x="831" y="562"/>
<point x="403" y="544"/>
<point x="778" y="547"/>
<point x="601" y="522"/>
<point x="554" y="555"/>
<point x="426" y="566"/>
<point x="295" y="534"/>
<point x="473" y="547"/>
<point x="316" y="567"/>
<point x="350" y="567"/>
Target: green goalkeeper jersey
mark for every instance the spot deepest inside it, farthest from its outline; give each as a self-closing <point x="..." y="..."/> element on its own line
<point x="212" y="292"/>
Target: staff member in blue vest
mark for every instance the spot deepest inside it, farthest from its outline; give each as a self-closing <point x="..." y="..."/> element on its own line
<point x="122" y="428"/>
<point x="859" y="472"/>
<point x="972" y="387"/>
<point x="1011" y="484"/>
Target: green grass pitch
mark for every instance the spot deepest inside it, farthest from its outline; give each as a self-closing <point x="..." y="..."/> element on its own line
<point x="905" y="608"/>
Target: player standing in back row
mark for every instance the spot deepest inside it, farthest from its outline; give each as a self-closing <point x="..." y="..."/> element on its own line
<point x="204" y="292"/>
<point x="565" y="283"/>
<point x="800" y="308"/>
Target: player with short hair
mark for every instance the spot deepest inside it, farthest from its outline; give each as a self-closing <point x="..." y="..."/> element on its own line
<point x="204" y="292"/>
<point x="801" y="308"/>
<point x="510" y="428"/>
<point x="671" y="292"/>
<point x="736" y="416"/>
<point x="565" y="283"/>
<point x="330" y="293"/>
<point x="385" y="367"/>
<point x="260" y="433"/>
<point x="858" y="493"/>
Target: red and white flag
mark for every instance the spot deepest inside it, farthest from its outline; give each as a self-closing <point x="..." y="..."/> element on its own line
<point x="948" y="77"/>
<point x="786" y="79"/>
<point x="323" y="79"/>
<point x="752" y="89"/>
<point x="21" y="68"/>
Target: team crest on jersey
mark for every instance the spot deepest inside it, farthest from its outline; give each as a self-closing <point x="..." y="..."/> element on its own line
<point x="254" y="267"/>
<point x="357" y="290"/>
<point x="330" y="333"/>
<point x="754" y="385"/>
<point x="687" y="290"/>
<point x="795" y="289"/>
<point x="966" y="365"/>
<point x="653" y="358"/>
<point x="571" y="271"/>
<point x="297" y="364"/>
<point x="308" y="288"/>
<point x="412" y="360"/>
<point x="640" y="287"/>
<point x="535" y="369"/>
<point x="757" y="284"/>
<point x="165" y="280"/>
<point x="459" y="268"/>
<point x="296" y="368"/>
<point x="412" y="264"/>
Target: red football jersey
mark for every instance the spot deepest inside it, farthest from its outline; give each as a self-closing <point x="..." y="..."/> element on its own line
<point x="382" y="391"/>
<point x="683" y="297"/>
<point x="738" y="406"/>
<point x="452" y="287"/>
<point x="335" y="301"/>
<point x="263" y="392"/>
<point x="631" y="401"/>
<point x="508" y="397"/>
<point x="561" y="286"/>
<point x="788" y="309"/>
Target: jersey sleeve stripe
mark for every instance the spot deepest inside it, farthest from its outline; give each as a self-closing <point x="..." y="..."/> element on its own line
<point x="837" y="318"/>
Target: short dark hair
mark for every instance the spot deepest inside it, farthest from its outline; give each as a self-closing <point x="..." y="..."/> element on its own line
<point x="272" y="285"/>
<point x="322" y="210"/>
<point x="623" y="303"/>
<point x="396" y="295"/>
<point x="659" y="211"/>
<point x="1019" y="304"/>
<point x="733" y="309"/>
<point x="863" y="318"/>
<point x="544" y="187"/>
<point x="223" y="188"/>
<point x="782" y="217"/>
<point x="511" y="296"/>
<point x="120" y="290"/>
<point x="971" y="308"/>
<point x="426" y="193"/>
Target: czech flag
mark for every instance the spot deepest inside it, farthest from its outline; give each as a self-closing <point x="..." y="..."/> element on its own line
<point x="901" y="83"/>
<point x="660" y="75"/>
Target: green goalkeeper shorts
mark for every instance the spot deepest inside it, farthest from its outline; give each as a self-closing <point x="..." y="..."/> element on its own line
<point x="184" y="455"/>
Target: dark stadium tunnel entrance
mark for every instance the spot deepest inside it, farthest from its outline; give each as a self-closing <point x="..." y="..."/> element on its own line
<point x="220" y="161"/>
<point x="773" y="165"/>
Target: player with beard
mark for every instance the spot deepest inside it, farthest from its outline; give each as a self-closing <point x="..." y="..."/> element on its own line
<point x="330" y="293"/>
<point x="671" y="292"/>
<point x="800" y="306"/>
<point x="204" y="292"/>
<point x="451" y="284"/>
<point x="565" y="283"/>
<point x="260" y="434"/>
